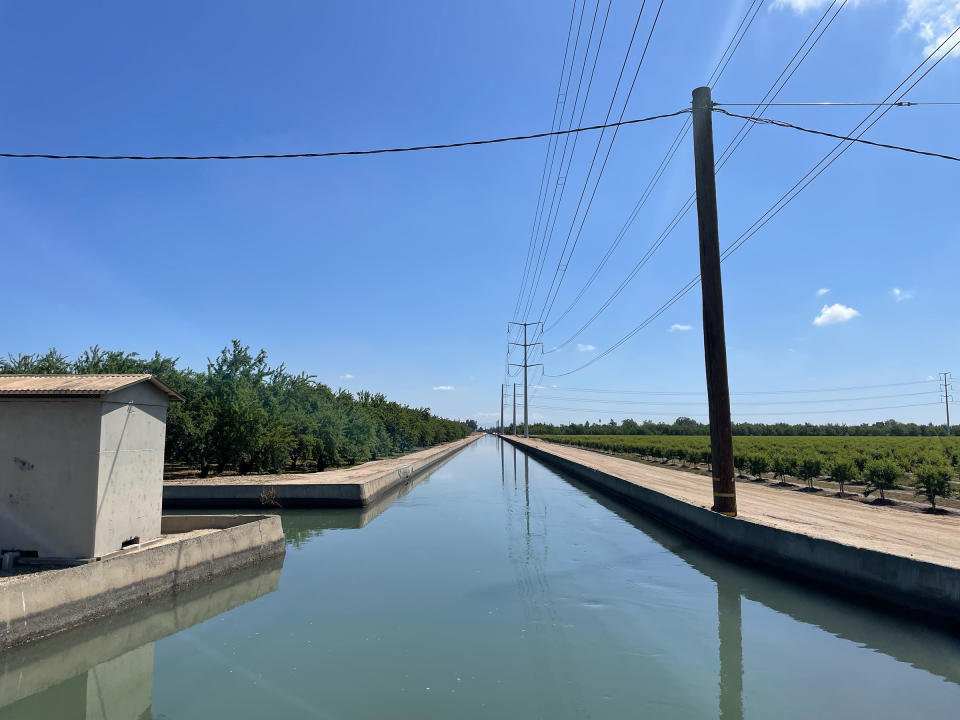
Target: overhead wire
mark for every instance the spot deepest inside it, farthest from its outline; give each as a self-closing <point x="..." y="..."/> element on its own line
<point x="784" y="124"/>
<point x="725" y="156"/>
<point x="788" y="196"/>
<point x="557" y="106"/>
<point x="548" y="238"/>
<point x="539" y="218"/>
<point x="672" y="149"/>
<point x="562" y="265"/>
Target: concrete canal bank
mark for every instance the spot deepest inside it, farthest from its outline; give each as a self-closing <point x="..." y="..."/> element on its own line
<point x="352" y="487"/>
<point x="882" y="555"/>
<point x="191" y="549"/>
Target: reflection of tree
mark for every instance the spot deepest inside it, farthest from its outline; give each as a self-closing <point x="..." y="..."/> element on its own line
<point x="298" y="536"/>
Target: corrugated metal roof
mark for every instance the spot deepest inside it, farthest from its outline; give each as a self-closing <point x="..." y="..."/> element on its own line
<point x="77" y="385"/>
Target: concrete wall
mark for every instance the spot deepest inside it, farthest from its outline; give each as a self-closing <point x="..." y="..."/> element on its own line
<point x="130" y="479"/>
<point x="48" y="475"/>
<point x="44" y="603"/>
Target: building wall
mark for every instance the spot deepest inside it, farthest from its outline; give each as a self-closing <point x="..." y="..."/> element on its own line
<point x="48" y="475"/>
<point x="130" y="486"/>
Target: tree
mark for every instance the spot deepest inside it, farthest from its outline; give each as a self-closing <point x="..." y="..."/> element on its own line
<point x="758" y="464"/>
<point x="881" y="475"/>
<point x="842" y="472"/>
<point x="809" y="468"/>
<point x="783" y="465"/>
<point x="933" y="481"/>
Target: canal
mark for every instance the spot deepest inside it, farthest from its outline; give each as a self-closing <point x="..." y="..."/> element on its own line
<point x="492" y="588"/>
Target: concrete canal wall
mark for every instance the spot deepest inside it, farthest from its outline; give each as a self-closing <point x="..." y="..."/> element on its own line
<point x="193" y="548"/>
<point x="878" y="576"/>
<point x="353" y="487"/>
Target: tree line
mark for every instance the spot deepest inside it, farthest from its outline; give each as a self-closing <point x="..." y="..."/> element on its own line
<point x="689" y="426"/>
<point x="241" y="414"/>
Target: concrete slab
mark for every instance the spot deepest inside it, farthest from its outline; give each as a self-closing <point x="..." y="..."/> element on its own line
<point x="194" y="548"/>
<point x="353" y="487"/>
<point x="888" y="557"/>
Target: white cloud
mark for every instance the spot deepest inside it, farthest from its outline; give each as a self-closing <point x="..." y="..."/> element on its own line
<point x="443" y="387"/>
<point x="676" y="327"/>
<point x="930" y="20"/>
<point x="347" y="376"/>
<point x="822" y="291"/>
<point x="835" y="313"/>
<point x="585" y="348"/>
<point x="901" y="295"/>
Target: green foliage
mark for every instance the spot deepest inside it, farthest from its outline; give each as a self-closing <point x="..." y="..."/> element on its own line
<point x="881" y="475"/>
<point x="842" y="472"/>
<point x="241" y="414"/>
<point x="759" y="464"/>
<point x="933" y="481"/>
<point x="783" y="465"/>
<point x="809" y="468"/>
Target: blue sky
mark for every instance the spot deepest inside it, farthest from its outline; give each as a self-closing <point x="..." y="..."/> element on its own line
<point x="398" y="273"/>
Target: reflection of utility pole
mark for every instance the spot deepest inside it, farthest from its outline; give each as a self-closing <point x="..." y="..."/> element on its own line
<point x="501" y="407"/>
<point x="503" y="474"/>
<point x="946" y="397"/>
<point x="731" y="652"/>
<point x="526" y="489"/>
<point x="525" y="365"/>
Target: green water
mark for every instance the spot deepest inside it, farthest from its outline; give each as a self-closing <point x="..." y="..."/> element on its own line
<point x="494" y="588"/>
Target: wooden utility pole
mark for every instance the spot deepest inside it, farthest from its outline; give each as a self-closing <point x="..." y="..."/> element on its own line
<point x="714" y="341"/>
<point x="515" y="409"/>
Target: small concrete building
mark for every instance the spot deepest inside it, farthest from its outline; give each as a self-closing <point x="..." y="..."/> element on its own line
<point x="81" y="462"/>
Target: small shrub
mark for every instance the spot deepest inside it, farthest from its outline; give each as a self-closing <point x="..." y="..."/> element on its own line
<point x="783" y="466"/>
<point x="933" y="481"/>
<point x="758" y="464"/>
<point x="881" y="475"/>
<point x="841" y="473"/>
<point x="809" y="468"/>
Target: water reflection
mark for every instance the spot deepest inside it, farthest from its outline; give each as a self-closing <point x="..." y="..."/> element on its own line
<point x="299" y="526"/>
<point x="902" y="638"/>
<point x="105" y="670"/>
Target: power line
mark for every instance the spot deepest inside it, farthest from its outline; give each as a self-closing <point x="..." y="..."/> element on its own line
<point x="825" y="103"/>
<point x="725" y="156"/>
<point x="847" y="388"/>
<point x="541" y="195"/>
<point x="784" y="199"/>
<point x="784" y="124"/>
<point x="536" y="257"/>
<point x="753" y="404"/>
<point x="342" y="153"/>
<point x="775" y="413"/>
<point x="560" y="274"/>
<point x="549" y="238"/>
<point x="661" y="170"/>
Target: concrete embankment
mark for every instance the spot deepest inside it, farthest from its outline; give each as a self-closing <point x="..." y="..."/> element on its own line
<point x="192" y="549"/>
<point x="353" y="487"/>
<point x="880" y="554"/>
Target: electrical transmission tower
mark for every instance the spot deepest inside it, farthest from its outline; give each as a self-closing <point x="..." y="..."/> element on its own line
<point x="525" y="365"/>
<point x="946" y="396"/>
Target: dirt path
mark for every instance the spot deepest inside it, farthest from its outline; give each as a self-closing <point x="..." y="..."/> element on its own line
<point x="930" y="538"/>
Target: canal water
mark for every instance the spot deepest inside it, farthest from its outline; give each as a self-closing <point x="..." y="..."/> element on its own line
<point x="493" y="588"/>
